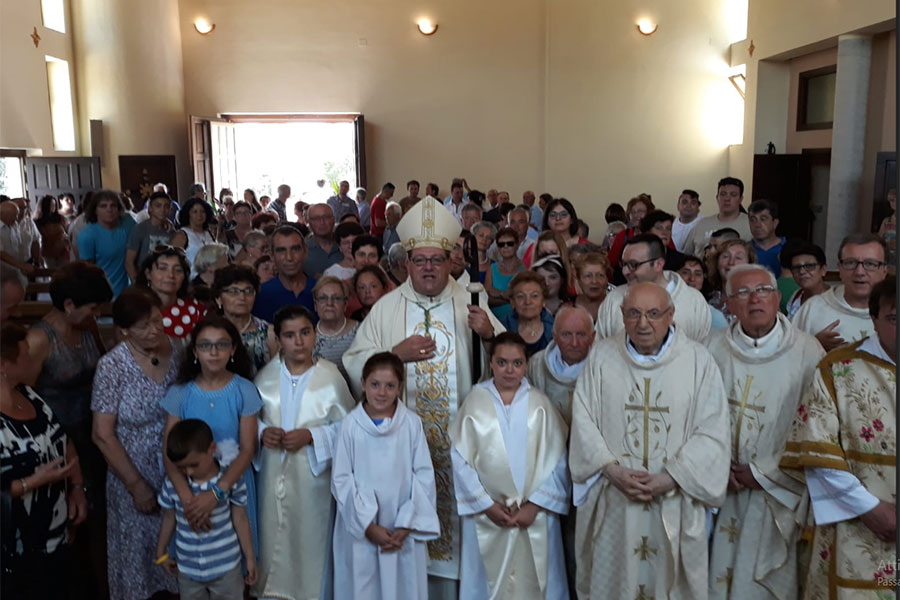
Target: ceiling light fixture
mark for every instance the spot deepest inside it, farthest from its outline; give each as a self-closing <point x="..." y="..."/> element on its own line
<point x="426" y="27"/>
<point x="646" y="27"/>
<point x="203" y="27"/>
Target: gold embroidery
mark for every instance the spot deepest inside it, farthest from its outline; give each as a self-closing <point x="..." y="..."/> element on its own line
<point x="647" y="409"/>
<point x="743" y="406"/>
<point x="644" y="549"/>
<point x="732" y="530"/>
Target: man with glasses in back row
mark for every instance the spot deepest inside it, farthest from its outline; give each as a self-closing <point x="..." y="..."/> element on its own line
<point x="841" y="314"/>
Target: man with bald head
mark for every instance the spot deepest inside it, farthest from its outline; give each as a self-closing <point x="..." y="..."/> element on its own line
<point x="755" y="537"/>
<point x="12" y="251"/>
<point x="643" y="260"/>
<point x="648" y="455"/>
<point x="322" y="249"/>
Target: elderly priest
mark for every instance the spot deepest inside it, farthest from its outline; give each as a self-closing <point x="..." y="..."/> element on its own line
<point x="428" y="323"/>
<point x="754" y="544"/>
<point x="649" y="453"/>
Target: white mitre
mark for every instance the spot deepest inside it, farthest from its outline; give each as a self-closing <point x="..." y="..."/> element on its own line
<point x="428" y="224"/>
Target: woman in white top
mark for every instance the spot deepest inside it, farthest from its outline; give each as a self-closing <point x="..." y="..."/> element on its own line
<point x="197" y="221"/>
<point x="344" y="234"/>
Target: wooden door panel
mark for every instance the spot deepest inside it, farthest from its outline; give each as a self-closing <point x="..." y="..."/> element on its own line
<point x="55" y="176"/>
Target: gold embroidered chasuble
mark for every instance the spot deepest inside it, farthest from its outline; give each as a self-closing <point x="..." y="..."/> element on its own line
<point x="753" y="554"/>
<point x="668" y="415"/>
<point x="515" y="560"/>
<point x="294" y="504"/>
<point x="846" y="421"/>
<point x="434" y="388"/>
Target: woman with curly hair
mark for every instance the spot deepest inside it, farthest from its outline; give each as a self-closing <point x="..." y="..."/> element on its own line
<point x="197" y="222"/>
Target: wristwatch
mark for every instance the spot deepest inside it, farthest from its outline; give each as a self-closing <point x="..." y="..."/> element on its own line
<point x="219" y="494"/>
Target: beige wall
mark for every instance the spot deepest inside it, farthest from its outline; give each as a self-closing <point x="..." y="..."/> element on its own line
<point x="24" y="96"/>
<point x="129" y="65"/>
<point x="781" y="30"/>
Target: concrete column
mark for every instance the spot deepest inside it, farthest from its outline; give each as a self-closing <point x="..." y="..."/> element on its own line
<point x="848" y="140"/>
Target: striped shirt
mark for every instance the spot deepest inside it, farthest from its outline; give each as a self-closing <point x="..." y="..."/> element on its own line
<point x="205" y="555"/>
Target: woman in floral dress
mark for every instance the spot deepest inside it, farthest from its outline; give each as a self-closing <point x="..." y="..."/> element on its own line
<point x="129" y="385"/>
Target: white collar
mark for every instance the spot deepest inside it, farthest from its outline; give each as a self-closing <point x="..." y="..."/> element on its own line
<point x="646" y="358"/>
<point x="560" y="368"/>
<point x="872" y="345"/>
<point x="766" y="345"/>
<point x="524" y="387"/>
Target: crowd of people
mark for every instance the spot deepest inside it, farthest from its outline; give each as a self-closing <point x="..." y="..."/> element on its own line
<point x="447" y="398"/>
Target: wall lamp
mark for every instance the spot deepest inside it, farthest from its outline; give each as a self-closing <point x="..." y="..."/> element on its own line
<point x="646" y="27"/>
<point x="426" y="27"/>
<point x="203" y="27"/>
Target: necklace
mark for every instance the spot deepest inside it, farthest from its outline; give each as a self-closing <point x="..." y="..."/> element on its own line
<point x="246" y="325"/>
<point x="333" y="333"/>
<point x="533" y="331"/>
<point x="16" y="403"/>
<point x="134" y="349"/>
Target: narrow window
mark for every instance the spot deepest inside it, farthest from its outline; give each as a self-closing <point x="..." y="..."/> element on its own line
<point x="62" y="116"/>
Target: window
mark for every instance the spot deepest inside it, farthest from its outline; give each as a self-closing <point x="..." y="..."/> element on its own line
<point x="815" y="98"/>
<point x="62" y="117"/>
<point x="11" y="171"/>
<point x="53" y="13"/>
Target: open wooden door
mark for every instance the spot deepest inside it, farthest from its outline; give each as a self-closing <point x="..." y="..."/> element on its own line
<point x="55" y="176"/>
<point x="224" y="157"/>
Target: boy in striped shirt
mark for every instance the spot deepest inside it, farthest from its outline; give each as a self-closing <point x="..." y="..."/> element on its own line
<point x="208" y="563"/>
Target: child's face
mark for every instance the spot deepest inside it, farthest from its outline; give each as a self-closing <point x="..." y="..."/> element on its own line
<point x="382" y="389"/>
<point x="508" y="365"/>
<point x="297" y="338"/>
<point x="199" y="465"/>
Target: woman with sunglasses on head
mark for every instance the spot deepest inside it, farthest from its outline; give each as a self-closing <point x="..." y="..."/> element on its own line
<point x="235" y="288"/>
<point x="213" y="385"/>
<point x="165" y="273"/>
<point x="502" y="271"/>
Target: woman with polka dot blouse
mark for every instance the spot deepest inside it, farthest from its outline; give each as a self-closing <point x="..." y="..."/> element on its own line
<point x="165" y="273"/>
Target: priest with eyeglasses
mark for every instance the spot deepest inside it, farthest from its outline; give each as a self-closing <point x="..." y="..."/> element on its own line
<point x="428" y="322"/>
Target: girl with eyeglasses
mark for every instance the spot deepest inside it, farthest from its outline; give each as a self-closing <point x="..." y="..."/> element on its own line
<point x="502" y="271"/>
<point x="213" y="385"/>
<point x="235" y="288"/>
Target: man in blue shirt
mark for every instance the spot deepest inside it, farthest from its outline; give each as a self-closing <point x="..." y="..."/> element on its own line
<point x="291" y="285"/>
<point x="763" y="216"/>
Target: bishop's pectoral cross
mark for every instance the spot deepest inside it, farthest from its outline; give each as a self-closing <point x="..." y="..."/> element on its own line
<point x="647" y="410"/>
<point x="742" y="408"/>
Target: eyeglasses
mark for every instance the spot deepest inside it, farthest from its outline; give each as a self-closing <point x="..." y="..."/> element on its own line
<point x="850" y="264"/>
<point x="559" y="214"/>
<point x="234" y="291"/>
<point x="807" y="267"/>
<point x="221" y="346"/>
<point x="505" y="244"/>
<point x="522" y="296"/>
<point x="652" y="315"/>
<point x="762" y="291"/>
<point x="330" y="299"/>
<point x="633" y="265"/>
<point x="164" y="248"/>
<point x="322" y="218"/>
<point x="434" y="261"/>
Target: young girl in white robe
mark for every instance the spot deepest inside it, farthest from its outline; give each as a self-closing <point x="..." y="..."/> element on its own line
<point x="511" y="481"/>
<point x="383" y="481"/>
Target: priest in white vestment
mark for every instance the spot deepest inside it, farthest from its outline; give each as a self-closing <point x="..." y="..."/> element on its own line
<point x="428" y="322"/>
<point x="555" y="369"/>
<point x="382" y="475"/>
<point x="648" y="453"/>
<point x="509" y="467"/>
<point x="303" y="404"/>
<point x="643" y="260"/>
<point x="840" y="314"/>
<point x="766" y="363"/>
<point x="844" y="438"/>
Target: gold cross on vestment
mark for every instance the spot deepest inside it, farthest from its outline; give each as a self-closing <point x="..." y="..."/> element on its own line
<point x="642" y="595"/>
<point x="726" y="578"/>
<point x="743" y="406"/>
<point x="732" y="530"/>
<point x="647" y="410"/>
<point x="644" y="549"/>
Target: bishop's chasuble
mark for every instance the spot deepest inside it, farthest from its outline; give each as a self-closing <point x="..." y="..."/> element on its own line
<point x="754" y="554"/>
<point x="652" y="413"/>
<point x="820" y="311"/>
<point x="434" y="388"/>
<point x="511" y="454"/>
<point x="692" y="314"/>
<point x="295" y="487"/>
<point x="846" y="422"/>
